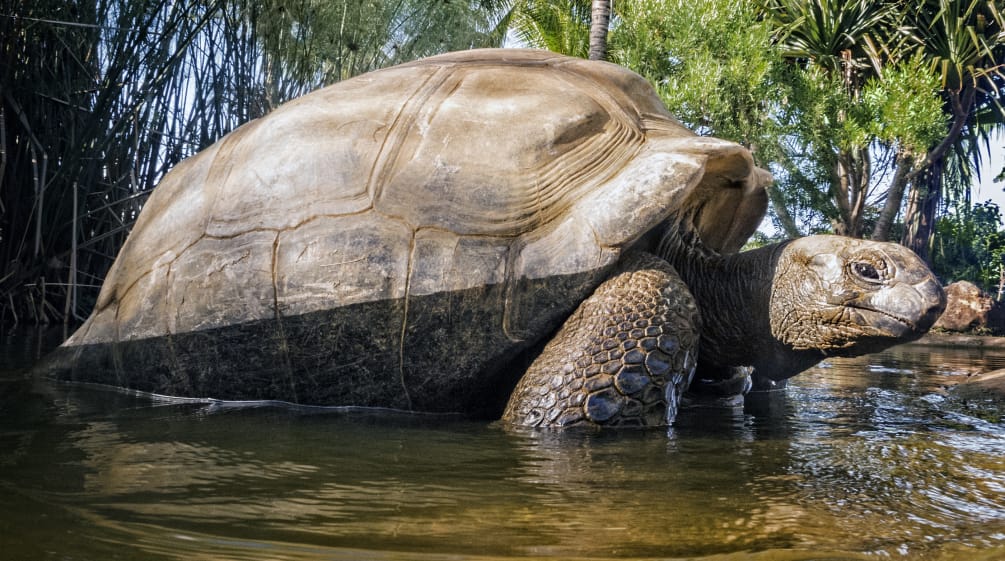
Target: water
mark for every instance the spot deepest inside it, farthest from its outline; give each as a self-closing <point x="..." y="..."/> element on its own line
<point x="858" y="459"/>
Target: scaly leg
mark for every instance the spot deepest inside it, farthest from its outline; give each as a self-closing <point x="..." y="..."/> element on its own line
<point x="624" y="357"/>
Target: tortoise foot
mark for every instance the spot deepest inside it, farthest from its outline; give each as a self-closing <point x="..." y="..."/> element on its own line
<point x="622" y="359"/>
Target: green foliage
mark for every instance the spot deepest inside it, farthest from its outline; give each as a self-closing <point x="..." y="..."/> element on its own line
<point x="834" y="35"/>
<point x="99" y="98"/>
<point x="820" y="111"/>
<point x="799" y="175"/>
<point x="903" y="106"/>
<point x="561" y="26"/>
<point x="970" y="245"/>
<point x="964" y="38"/>
<point x="712" y="62"/>
<point x="872" y="103"/>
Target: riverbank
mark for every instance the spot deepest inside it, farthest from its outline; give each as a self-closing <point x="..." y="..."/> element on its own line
<point x="965" y="340"/>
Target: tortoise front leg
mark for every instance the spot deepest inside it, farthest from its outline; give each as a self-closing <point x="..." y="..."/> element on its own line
<point x="624" y="357"/>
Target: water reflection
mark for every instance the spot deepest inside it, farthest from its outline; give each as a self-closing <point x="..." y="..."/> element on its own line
<point x="859" y="459"/>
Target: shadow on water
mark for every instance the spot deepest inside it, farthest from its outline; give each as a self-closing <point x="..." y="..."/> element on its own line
<point x="859" y="459"/>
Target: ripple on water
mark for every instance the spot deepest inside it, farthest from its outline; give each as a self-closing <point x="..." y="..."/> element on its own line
<point x="854" y="461"/>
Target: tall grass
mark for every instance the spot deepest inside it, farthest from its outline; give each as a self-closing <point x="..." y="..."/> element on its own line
<point x="100" y="98"/>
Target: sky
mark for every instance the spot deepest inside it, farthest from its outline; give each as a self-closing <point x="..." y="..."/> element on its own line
<point x="987" y="189"/>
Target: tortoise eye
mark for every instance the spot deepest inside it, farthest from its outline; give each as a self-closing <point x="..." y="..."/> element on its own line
<point x="865" y="271"/>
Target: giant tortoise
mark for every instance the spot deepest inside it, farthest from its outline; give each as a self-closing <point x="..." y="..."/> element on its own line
<point x="475" y="228"/>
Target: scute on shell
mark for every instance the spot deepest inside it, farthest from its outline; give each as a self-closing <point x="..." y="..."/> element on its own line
<point x="510" y="179"/>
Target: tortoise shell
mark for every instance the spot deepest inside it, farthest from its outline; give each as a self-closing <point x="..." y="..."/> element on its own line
<point x="405" y="238"/>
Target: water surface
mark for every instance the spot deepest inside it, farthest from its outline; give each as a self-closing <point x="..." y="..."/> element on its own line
<point x="859" y="459"/>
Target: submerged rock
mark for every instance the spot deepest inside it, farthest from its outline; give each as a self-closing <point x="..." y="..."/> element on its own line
<point x="989" y="386"/>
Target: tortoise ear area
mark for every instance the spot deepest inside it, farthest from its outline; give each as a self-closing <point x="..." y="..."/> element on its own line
<point x="730" y="200"/>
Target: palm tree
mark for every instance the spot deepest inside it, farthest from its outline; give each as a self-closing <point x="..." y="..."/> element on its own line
<point x="965" y="40"/>
<point x="600" y="20"/>
<point x="862" y="42"/>
<point x="561" y="26"/>
<point x="838" y="41"/>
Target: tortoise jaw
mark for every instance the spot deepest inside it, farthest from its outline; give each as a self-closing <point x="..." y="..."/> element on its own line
<point x="884" y="322"/>
<point x="902" y="309"/>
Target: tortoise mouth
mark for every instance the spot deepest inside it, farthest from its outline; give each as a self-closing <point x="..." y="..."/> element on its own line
<point x="900" y="309"/>
<point x="883" y="321"/>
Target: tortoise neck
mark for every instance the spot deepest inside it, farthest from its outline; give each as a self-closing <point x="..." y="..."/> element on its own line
<point x="734" y="295"/>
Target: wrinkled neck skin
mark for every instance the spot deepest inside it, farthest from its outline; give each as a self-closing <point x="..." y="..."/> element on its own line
<point x="734" y="295"/>
<point x="781" y="309"/>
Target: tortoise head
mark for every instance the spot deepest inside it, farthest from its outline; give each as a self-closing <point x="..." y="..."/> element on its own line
<point x="847" y="297"/>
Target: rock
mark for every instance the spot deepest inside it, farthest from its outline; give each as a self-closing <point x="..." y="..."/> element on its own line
<point x="986" y="385"/>
<point x="969" y="308"/>
<point x="982" y="396"/>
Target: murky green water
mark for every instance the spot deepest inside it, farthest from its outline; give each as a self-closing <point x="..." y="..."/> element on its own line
<point x="859" y="459"/>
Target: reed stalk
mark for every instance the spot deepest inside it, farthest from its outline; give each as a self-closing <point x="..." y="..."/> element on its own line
<point x="100" y="98"/>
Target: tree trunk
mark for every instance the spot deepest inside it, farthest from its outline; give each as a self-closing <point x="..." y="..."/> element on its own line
<point x="894" y="197"/>
<point x="926" y="179"/>
<point x="926" y="190"/>
<point x="863" y="174"/>
<point x="840" y="188"/>
<point x="922" y="206"/>
<point x="849" y="189"/>
<point x="600" y="20"/>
